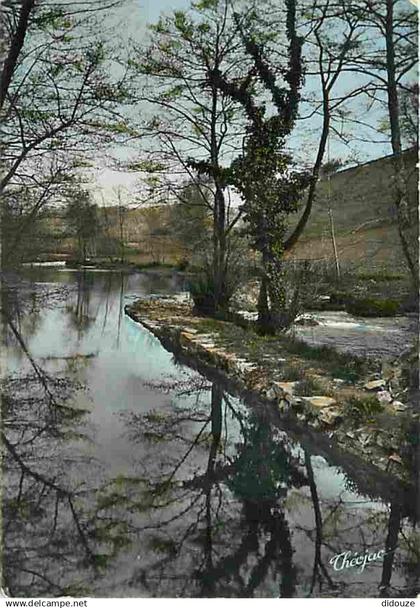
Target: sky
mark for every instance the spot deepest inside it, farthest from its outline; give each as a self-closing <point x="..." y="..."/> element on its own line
<point x="133" y="19"/>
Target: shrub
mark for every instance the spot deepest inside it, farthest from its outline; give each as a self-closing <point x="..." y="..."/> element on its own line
<point x="361" y="409"/>
<point x="202" y="291"/>
<point x="292" y="372"/>
<point x="339" y="298"/>
<point x="309" y="386"/>
<point x="371" y="307"/>
<point x="182" y="264"/>
<point x="340" y="365"/>
<point x="380" y="275"/>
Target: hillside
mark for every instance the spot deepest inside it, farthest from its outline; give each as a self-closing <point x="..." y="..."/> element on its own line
<point x="362" y="208"/>
<point x="362" y="204"/>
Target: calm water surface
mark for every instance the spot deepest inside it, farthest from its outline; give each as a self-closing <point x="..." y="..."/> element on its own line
<point x="129" y="474"/>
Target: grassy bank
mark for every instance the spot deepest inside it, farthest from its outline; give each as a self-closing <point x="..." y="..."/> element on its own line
<point x="358" y="404"/>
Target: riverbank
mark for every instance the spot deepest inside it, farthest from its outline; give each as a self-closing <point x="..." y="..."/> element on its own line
<point x="125" y="267"/>
<point x="357" y="404"/>
<point x="159" y="441"/>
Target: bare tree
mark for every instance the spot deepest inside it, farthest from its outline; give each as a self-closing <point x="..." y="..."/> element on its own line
<point x="331" y="41"/>
<point x="122" y="210"/>
<point x="194" y="130"/>
<point x="382" y="63"/>
<point x="59" y="98"/>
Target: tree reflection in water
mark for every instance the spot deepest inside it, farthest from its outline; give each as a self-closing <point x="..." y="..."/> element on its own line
<point x="225" y="524"/>
<point x="80" y="314"/>
<point x="53" y="541"/>
<point x="205" y="492"/>
<point x="219" y="501"/>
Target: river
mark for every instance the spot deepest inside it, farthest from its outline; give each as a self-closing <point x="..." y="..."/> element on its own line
<point x="129" y="474"/>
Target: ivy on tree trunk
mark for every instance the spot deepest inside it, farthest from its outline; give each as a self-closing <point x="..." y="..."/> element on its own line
<point x="262" y="174"/>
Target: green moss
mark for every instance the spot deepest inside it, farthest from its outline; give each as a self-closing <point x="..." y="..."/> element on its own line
<point x="371" y="307"/>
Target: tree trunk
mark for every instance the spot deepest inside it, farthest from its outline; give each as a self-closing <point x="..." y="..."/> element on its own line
<point x="16" y="44"/>
<point x="121" y="235"/>
<point x="334" y="244"/>
<point x="391" y="544"/>
<point x="219" y="253"/>
<point x="220" y="294"/>
<point x="401" y="198"/>
<point x="272" y="306"/>
<point x="277" y="295"/>
<point x="264" y="319"/>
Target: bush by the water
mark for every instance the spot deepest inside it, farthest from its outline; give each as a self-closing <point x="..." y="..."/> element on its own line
<point x="362" y="409"/>
<point x="309" y="386"/>
<point x="202" y="290"/>
<point x="182" y="264"/>
<point x="371" y="307"/>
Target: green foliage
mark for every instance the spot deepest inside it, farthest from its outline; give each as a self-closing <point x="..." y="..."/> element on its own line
<point x="340" y="365"/>
<point x="262" y="174"/>
<point x="309" y="386"/>
<point x="202" y="291"/>
<point x="292" y="372"/>
<point x="362" y="409"/>
<point x="82" y="220"/>
<point x="371" y="307"/>
<point x="263" y="467"/>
